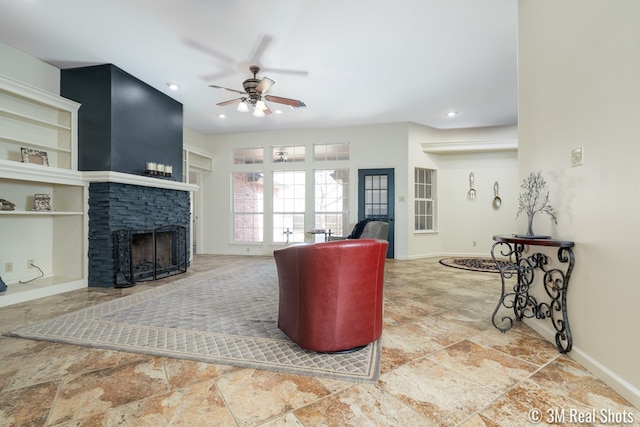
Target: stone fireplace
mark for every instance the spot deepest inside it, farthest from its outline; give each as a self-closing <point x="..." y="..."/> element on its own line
<point x="136" y="232"/>
<point x="122" y="125"/>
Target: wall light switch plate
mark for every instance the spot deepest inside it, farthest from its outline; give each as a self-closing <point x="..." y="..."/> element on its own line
<point x="577" y="156"/>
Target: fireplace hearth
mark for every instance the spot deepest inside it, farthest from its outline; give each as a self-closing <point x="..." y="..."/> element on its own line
<point x="142" y="255"/>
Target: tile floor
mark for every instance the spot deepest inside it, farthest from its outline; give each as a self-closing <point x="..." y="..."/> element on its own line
<point x="443" y="364"/>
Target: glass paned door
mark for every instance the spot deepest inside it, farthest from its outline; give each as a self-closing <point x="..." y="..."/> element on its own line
<point x="376" y="198"/>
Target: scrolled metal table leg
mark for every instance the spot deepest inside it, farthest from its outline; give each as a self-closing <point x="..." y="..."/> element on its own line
<point x="505" y="250"/>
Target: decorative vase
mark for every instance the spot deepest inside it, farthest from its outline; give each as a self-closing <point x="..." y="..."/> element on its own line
<point x="530" y="224"/>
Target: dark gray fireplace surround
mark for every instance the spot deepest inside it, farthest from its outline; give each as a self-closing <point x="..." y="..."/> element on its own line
<point x="116" y="206"/>
<point x="123" y="123"/>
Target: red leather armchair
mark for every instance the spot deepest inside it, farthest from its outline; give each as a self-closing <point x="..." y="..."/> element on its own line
<point x="331" y="293"/>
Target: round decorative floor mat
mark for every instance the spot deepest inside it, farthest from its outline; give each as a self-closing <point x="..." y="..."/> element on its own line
<point x="483" y="264"/>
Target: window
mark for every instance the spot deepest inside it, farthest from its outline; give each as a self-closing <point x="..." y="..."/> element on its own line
<point x="332" y="200"/>
<point x="289" y="154"/>
<point x="248" y="207"/>
<point x="424" y="199"/>
<point x="288" y="206"/>
<point x="248" y="156"/>
<point x="322" y="152"/>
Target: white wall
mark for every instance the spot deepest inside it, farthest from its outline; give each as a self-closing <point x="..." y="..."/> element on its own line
<point x="579" y="64"/>
<point x="378" y="146"/>
<point x="466" y="221"/>
<point x="460" y="221"/>
<point x="398" y="146"/>
<point x="27" y="69"/>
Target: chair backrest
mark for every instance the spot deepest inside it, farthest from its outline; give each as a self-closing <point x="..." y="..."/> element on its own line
<point x="375" y="230"/>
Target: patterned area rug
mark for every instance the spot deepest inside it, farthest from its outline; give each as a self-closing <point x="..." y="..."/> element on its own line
<point x="483" y="264"/>
<point x="228" y="316"/>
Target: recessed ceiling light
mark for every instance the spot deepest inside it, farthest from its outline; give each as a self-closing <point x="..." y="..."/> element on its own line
<point x="452" y="113"/>
<point x="221" y="116"/>
<point x="173" y="86"/>
<point x="278" y="111"/>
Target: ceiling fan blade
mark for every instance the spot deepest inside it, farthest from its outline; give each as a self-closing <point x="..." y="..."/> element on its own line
<point x="216" y="76"/>
<point x="287" y="101"/>
<point x="285" y="71"/>
<point x="227" y="89"/>
<point x="204" y="49"/>
<point x="264" y="43"/>
<point x="264" y="85"/>
<point x="232" y="101"/>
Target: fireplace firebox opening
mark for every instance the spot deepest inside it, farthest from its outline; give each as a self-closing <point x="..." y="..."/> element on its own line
<point x="142" y="255"/>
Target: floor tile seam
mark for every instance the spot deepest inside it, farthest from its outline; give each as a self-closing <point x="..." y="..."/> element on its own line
<point x="521" y="358"/>
<point x="345" y="390"/>
<point x="513" y="387"/>
<point x="225" y="401"/>
<point x="403" y="404"/>
<point x="142" y="358"/>
<point x="511" y="356"/>
<point x="54" y="402"/>
<point x="60" y="380"/>
<point x="306" y="405"/>
<point x="449" y="369"/>
<point x="495" y="389"/>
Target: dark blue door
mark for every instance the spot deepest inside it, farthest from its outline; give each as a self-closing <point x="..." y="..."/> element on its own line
<point x="376" y="198"/>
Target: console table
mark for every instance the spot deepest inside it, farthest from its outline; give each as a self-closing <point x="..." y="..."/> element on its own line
<point x="524" y="266"/>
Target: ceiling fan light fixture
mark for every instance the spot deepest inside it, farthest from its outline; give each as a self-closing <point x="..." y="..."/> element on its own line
<point x="258" y="113"/>
<point x="243" y="107"/>
<point x="260" y="105"/>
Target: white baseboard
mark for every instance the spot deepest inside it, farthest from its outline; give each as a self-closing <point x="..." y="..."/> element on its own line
<point x="610" y="378"/>
<point x="441" y="255"/>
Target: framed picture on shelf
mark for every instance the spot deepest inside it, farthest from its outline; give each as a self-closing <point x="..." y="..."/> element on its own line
<point x="42" y="202"/>
<point x="34" y="156"/>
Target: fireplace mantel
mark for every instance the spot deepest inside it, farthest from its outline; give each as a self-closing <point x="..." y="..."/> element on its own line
<point x="145" y="181"/>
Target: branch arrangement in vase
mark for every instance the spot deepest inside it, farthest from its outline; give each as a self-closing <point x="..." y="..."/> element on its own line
<point x="534" y="198"/>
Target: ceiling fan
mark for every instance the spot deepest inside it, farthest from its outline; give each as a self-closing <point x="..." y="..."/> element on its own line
<point x="254" y="95"/>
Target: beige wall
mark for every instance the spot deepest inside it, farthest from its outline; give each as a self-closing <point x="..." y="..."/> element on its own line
<point x="579" y="68"/>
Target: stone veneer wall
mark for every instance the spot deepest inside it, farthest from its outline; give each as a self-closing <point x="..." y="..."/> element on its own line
<point x="115" y="206"/>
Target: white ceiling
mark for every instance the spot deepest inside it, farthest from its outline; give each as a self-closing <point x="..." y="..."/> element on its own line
<point x="363" y="61"/>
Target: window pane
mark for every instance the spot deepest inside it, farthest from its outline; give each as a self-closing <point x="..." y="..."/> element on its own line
<point x="248" y="207"/>
<point x="322" y="152"/>
<point x="288" y="206"/>
<point x="248" y="156"/>
<point x="289" y="154"/>
<point x="424" y="199"/>
<point x="331" y="200"/>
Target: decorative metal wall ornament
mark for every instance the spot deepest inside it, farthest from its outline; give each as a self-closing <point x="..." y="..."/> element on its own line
<point x="471" y="195"/>
<point x="533" y="199"/>
<point x="497" y="201"/>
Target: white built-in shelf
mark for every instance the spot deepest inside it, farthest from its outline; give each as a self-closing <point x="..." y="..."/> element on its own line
<point x="55" y="240"/>
<point x="197" y="160"/>
<point x="41" y="213"/>
<point x="33" y="120"/>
